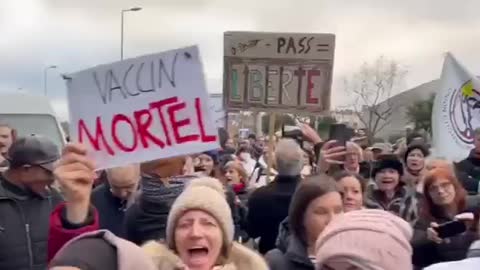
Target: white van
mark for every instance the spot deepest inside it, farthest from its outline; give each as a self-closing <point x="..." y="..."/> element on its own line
<point x="29" y="114"/>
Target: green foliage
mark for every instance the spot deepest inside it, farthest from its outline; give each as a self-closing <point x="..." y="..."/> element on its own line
<point x="420" y="114"/>
<point x="323" y="126"/>
<point x="324" y="123"/>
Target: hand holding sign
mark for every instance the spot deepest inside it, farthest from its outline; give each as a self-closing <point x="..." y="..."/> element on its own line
<point x="75" y="174"/>
<point x="141" y="109"/>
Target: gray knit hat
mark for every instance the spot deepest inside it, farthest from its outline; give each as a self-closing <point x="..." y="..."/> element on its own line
<point x="205" y="194"/>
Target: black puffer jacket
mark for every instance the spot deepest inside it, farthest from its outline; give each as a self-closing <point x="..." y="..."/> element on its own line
<point x="468" y="172"/>
<point x="24" y="223"/>
<point x="294" y="258"/>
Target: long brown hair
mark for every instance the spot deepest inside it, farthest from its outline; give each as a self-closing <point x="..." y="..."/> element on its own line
<point x="432" y="211"/>
<point x="307" y="191"/>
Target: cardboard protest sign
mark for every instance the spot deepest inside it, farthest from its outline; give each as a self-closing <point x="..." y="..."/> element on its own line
<point x="146" y="108"/>
<point x="289" y="72"/>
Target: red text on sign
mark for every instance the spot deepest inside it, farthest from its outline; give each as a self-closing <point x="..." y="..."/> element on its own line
<point x="141" y="122"/>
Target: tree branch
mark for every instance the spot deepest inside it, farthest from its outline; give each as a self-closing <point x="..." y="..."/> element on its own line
<point x="372" y="85"/>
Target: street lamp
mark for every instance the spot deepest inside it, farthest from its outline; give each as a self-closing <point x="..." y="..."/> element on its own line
<point x="45" y="77"/>
<point x="121" y="30"/>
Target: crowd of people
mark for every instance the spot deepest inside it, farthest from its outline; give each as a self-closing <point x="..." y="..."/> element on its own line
<point x="320" y="205"/>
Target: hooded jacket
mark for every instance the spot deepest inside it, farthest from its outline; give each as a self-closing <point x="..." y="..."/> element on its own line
<point x="240" y="258"/>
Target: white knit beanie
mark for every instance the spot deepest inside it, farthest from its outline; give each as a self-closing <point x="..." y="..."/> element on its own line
<point x="205" y="194"/>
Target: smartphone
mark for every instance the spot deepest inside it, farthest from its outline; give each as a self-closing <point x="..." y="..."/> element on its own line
<point x="451" y="228"/>
<point x="341" y="133"/>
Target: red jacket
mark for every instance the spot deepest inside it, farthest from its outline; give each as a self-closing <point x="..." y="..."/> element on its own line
<point x="59" y="236"/>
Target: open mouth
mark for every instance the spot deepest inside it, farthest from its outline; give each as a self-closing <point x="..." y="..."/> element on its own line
<point x="199" y="169"/>
<point x="198" y="255"/>
<point x="387" y="181"/>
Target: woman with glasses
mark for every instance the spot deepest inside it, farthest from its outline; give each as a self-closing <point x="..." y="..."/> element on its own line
<point x="444" y="201"/>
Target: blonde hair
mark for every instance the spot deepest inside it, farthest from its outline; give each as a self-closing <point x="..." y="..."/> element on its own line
<point x="239" y="168"/>
<point x="355" y="148"/>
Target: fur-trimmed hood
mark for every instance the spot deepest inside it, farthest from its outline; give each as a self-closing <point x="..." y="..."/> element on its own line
<point x="241" y="258"/>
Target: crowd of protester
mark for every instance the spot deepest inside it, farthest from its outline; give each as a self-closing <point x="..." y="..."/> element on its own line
<point x="320" y="205"/>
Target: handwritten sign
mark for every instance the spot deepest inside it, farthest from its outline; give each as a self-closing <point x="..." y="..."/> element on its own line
<point x="278" y="71"/>
<point x="146" y="108"/>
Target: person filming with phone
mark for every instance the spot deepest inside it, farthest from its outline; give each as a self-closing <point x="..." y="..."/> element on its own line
<point x="445" y="228"/>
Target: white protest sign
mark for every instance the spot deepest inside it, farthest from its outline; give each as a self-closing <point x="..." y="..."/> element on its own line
<point x="146" y="108"/>
<point x="290" y="72"/>
<point x="456" y="111"/>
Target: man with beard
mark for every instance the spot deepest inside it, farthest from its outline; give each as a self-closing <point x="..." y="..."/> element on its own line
<point x="26" y="201"/>
<point x="6" y="140"/>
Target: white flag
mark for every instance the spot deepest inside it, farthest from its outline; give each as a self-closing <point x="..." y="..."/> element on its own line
<point x="456" y="111"/>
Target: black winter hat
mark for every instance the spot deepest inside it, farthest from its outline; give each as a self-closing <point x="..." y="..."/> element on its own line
<point x="420" y="147"/>
<point x="387" y="161"/>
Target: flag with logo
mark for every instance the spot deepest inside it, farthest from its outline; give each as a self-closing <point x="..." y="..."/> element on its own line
<point x="456" y="111"/>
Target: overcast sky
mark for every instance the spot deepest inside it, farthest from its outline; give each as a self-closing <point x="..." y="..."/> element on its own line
<point x="75" y="34"/>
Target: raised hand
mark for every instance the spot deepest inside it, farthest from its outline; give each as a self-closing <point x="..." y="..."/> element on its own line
<point x="75" y="173"/>
<point x="331" y="154"/>
<point x="310" y="134"/>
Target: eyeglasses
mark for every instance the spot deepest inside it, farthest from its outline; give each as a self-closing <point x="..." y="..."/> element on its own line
<point x="442" y="186"/>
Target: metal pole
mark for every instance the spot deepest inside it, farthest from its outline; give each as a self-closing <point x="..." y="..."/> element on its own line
<point x="45" y="81"/>
<point x="121" y="27"/>
<point x="271" y="143"/>
<point x="45" y="78"/>
<point x="121" y="36"/>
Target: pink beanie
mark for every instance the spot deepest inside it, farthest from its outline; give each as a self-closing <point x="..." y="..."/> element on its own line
<point x="369" y="239"/>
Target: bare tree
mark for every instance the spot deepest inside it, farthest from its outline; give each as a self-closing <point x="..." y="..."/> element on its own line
<point x="371" y="88"/>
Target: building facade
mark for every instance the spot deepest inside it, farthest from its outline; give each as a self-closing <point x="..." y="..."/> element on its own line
<point x="398" y="121"/>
